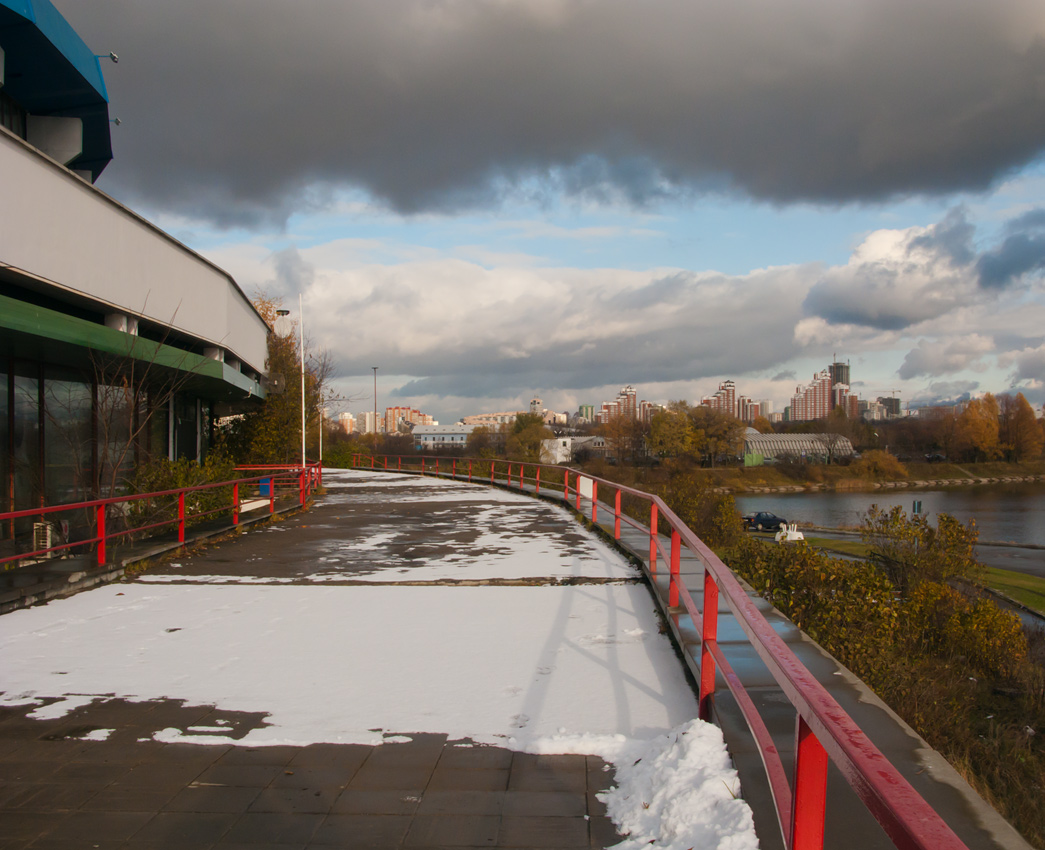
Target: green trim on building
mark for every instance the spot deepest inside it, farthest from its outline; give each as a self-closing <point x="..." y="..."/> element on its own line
<point x="60" y="335"/>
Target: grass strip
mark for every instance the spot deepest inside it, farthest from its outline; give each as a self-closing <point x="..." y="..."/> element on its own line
<point x="1025" y="589"/>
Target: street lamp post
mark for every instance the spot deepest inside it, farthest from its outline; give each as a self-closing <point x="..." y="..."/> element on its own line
<point x="302" y="316"/>
<point x="375" y="406"/>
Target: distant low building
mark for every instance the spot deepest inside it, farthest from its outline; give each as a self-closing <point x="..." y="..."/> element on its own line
<point x="566" y="449"/>
<point x="492" y="419"/>
<point x="810" y="447"/>
<point x="435" y="437"/>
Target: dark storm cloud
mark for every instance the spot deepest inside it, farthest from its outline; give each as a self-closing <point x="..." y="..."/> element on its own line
<point x="1022" y="252"/>
<point x="236" y="110"/>
<point x="788" y="375"/>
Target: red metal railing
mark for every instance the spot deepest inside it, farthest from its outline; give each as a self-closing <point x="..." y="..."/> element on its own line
<point x="303" y="480"/>
<point x="824" y="732"/>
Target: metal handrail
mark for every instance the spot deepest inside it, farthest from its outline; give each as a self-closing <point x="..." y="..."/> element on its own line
<point x="305" y="479"/>
<point x="824" y="731"/>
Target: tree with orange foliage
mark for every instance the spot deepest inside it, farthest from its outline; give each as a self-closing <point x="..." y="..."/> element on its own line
<point x="976" y="432"/>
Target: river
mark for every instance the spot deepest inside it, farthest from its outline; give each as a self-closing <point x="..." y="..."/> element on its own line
<point x="1003" y="512"/>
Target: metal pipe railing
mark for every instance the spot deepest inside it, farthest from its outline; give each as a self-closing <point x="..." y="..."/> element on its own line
<point x="824" y="732"/>
<point x="304" y="480"/>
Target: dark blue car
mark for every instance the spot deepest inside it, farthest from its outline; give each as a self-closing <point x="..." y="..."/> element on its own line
<point x="764" y="521"/>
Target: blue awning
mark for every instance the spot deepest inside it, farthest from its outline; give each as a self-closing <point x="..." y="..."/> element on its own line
<point x="49" y="70"/>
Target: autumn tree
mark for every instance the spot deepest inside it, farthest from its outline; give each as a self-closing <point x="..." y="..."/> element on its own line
<point x="524" y="441"/>
<point x="976" y="432"/>
<point x="272" y="432"/>
<point x="715" y="434"/>
<point x="763" y="425"/>
<point x="1019" y="433"/>
<point x="910" y="550"/>
<point x="671" y="433"/>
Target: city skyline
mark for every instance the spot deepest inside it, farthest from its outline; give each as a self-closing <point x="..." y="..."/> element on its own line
<point x="493" y="200"/>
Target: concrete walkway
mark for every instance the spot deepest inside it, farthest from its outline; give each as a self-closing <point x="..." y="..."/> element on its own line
<point x="103" y="755"/>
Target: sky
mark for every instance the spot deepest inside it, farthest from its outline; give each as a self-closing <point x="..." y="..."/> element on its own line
<point x="492" y="200"/>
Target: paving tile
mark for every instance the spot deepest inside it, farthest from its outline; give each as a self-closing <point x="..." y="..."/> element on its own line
<point x="454" y="779"/>
<point x="602" y="833"/>
<point x="239" y="775"/>
<point x="159" y="775"/>
<point x="543" y="832"/>
<point x="550" y="773"/>
<point x="545" y="803"/>
<point x="276" y="828"/>
<point x="406" y="779"/>
<point x="189" y="828"/>
<point x="29" y="771"/>
<point x="51" y="797"/>
<point x="424" y="751"/>
<point x="312" y="777"/>
<point x="376" y="803"/>
<point x="258" y="755"/>
<point x="453" y="831"/>
<point x="346" y="756"/>
<point x="600" y="775"/>
<point x="99" y="773"/>
<point x="99" y="826"/>
<point x="27" y="825"/>
<point x="294" y="800"/>
<point x="212" y="798"/>
<point x="362" y="830"/>
<point x="461" y="803"/>
<point x="475" y="758"/>
<point x="129" y="798"/>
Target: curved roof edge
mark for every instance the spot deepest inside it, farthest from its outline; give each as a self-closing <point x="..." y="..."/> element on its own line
<point x="52" y="71"/>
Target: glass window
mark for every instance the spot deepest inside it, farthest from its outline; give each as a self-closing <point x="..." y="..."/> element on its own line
<point x="67" y="438"/>
<point x="25" y="431"/>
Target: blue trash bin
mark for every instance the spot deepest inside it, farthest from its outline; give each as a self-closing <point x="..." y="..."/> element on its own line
<point x="265" y="487"/>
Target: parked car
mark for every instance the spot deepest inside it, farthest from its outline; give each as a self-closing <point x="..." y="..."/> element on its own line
<point x="764" y="521"/>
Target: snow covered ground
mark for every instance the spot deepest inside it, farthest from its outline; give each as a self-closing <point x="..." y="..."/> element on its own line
<point x="545" y="669"/>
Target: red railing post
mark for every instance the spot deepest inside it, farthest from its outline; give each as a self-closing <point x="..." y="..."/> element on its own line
<point x="493" y="464"/>
<point x="509" y="475"/>
<point x="809" y="801"/>
<point x="422" y="466"/>
<point x="538" y="479"/>
<point x="272" y="495"/>
<point x="566" y="486"/>
<point x="616" y="516"/>
<point x="181" y="516"/>
<point x="386" y="462"/>
<point x="673" y="577"/>
<point x="235" y="503"/>
<point x="578" y="489"/>
<point x="594" y="501"/>
<point x="469" y="470"/>
<point x="453" y="471"/>
<point x="399" y="462"/>
<point x="99" y="521"/>
<point x="653" y="538"/>
<point x="373" y="462"/>
<point x="301" y="487"/>
<point x="437" y="466"/>
<point x="708" y="636"/>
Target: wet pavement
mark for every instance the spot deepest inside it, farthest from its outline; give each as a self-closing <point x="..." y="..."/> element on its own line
<point x="60" y="789"/>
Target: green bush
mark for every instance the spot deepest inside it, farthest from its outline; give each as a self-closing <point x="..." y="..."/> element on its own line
<point x="160" y="475"/>
<point x="942" y="621"/>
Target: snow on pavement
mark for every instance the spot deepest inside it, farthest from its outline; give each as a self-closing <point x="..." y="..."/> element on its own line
<point x="541" y="669"/>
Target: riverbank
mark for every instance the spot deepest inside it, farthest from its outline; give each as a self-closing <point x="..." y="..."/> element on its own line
<point x="799" y="478"/>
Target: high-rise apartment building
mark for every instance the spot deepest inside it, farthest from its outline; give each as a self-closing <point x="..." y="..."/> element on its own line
<point x="814" y="400"/>
<point x="724" y="400"/>
<point x="347" y="422"/>
<point x="839" y="373"/>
